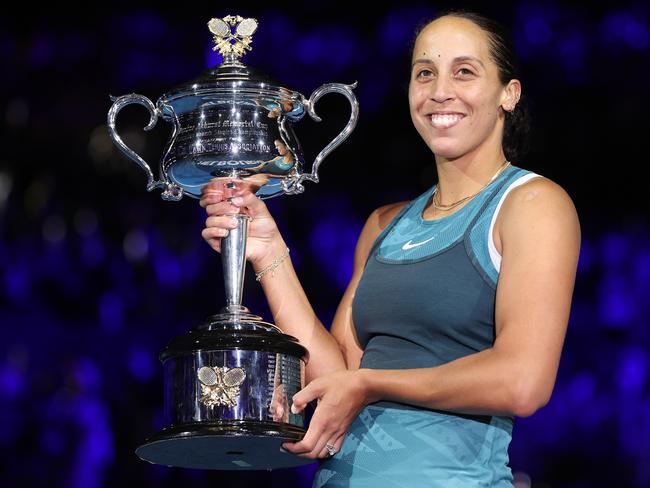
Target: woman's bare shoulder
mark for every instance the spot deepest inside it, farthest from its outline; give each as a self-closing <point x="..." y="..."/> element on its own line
<point x="538" y="203"/>
<point x="381" y="217"/>
<point x="376" y="222"/>
<point x="537" y="192"/>
<point x="385" y="214"/>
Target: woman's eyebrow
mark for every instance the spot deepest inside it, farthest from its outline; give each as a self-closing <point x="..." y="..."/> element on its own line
<point x="461" y="59"/>
<point x="421" y="60"/>
<point x="458" y="59"/>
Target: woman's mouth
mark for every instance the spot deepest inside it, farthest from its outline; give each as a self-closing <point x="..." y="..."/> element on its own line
<point x="445" y="121"/>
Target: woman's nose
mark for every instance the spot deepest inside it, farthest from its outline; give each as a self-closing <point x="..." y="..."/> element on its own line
<point x="442" y="89"/>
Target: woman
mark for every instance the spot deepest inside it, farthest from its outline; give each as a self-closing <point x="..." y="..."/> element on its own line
<point x="456" y="312"/>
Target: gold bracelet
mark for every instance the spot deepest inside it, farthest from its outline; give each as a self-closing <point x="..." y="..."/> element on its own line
<point x="271" y="267"/>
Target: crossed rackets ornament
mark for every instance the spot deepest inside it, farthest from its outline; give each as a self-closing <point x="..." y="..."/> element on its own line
<point x="220" y="385"/>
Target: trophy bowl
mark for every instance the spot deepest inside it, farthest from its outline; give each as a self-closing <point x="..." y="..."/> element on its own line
<point x="229" y="382"/>
<point x="232" y="121"/>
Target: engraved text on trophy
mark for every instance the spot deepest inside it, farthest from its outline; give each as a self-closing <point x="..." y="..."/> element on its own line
<point x="236" y="137"/>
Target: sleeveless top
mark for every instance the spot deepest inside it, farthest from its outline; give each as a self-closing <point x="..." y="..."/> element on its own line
<point x="426" y="297"/>
<point x="427" y="293"/>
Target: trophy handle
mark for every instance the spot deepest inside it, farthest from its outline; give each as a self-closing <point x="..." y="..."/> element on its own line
<point x="170" y="190"/>
<point x="346" y="91"/>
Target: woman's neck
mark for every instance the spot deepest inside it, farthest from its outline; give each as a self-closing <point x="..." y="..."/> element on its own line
<point x="458" y="178"/>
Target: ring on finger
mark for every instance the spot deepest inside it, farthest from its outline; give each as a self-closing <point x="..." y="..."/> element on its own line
<point x="331" y="450"/>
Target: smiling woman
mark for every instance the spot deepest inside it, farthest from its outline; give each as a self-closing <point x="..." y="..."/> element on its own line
<point x="454" y="319"/>
<point x="456" y="84"/>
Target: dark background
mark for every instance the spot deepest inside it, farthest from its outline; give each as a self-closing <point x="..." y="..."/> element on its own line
<point x="96" y="274"/>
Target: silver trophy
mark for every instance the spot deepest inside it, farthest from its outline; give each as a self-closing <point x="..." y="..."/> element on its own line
<point x="229" y="382"/>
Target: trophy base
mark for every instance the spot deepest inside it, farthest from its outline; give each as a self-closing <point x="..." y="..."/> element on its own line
<point x="226" y="445"/>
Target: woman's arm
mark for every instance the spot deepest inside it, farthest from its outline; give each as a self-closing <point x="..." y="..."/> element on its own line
<point x="293" y="313"/>
<point x="539" y="236"/>
<point x="289" y="305"/>
<point x="540" y="239"/>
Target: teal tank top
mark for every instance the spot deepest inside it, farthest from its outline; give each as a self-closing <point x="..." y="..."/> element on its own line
<point x="428" y="290"/>
<point x="426" y="297"/>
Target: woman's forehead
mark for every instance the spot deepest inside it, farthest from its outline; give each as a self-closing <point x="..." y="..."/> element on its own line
<point x="451" y="38"/>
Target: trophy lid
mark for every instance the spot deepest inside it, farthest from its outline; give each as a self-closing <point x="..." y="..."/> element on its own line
<point x="233" y="76"/>
<point x="235" y="328"/>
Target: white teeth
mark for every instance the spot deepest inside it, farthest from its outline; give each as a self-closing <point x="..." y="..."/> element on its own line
<point x="444" y="121"/>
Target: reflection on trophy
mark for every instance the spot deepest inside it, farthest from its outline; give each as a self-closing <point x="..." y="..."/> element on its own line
<point x="229" y="382"/>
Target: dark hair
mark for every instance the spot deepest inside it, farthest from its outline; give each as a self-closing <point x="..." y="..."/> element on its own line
<point x="516" y="129"/>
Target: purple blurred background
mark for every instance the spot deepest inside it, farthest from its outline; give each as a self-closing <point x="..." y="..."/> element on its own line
<point x="96" y="274"/>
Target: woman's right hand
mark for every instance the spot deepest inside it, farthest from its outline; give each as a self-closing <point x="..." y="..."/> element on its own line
<point x="222" y="202"/>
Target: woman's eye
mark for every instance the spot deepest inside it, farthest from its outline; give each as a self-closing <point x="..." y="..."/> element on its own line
<point x="465" y="72"/>
<point x="425" y="72"/>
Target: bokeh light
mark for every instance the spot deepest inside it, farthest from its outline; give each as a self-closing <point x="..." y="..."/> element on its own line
<point x="97" y="275"/>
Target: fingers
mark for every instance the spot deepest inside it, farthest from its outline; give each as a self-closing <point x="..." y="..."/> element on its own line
<point x="222" y="208"/>
<point x="222" y="222"/>
<point x="304" y="396"/>
<point x="219" y="198"/>
<point x="213" y="238"/>
<point x="256" y="207"/>
<point x="313" y="444"/>
<point x="215" y="198"/>
<point x="228" y="186"/>
<point x="219" y="189"/>
<point x="222" y="198"/>
<point x="332" y="447"/>
<point x="215" y="191"/>
<point x="322" y="427"/>
<point x="216" y="228"/>
<point x="338" y="443"/>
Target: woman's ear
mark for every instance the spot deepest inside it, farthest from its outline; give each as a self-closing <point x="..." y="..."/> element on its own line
<point x="511" y="95"/>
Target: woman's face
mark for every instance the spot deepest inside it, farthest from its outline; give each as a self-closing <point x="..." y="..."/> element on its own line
<point x="455" y="94"/>
<point x="281" y="148"/>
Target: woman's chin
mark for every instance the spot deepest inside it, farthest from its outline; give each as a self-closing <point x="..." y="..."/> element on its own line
<point x="446" y="151"/>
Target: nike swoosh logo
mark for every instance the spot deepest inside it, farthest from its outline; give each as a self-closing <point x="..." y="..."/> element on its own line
<point x="411" y="245"/>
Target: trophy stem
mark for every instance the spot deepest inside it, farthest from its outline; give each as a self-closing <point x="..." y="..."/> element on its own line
<point x="233" y="258"/>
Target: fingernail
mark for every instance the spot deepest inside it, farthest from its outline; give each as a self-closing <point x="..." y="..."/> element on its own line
<point x="294" y="410"/>
<point x="237" y="200"/>
<point x="234" y="221"/>
<point x="282" y="449"/>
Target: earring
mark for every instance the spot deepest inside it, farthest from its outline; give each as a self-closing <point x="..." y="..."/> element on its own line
<point x="510" y="107"/>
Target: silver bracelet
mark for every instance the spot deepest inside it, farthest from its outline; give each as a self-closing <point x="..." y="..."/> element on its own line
<point x="271" y="267"/>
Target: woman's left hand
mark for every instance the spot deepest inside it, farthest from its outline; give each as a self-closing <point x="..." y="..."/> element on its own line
<point x="341" y="396"/>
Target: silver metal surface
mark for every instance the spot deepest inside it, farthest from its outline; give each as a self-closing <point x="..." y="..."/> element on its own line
<point x="265" y="393"/>
<point x="229" y="382"/>
<point x="345" y="90"/>
<point x="233" y="258"/>
<point x="233" y="121"/>
<point x="170" y="190"/>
